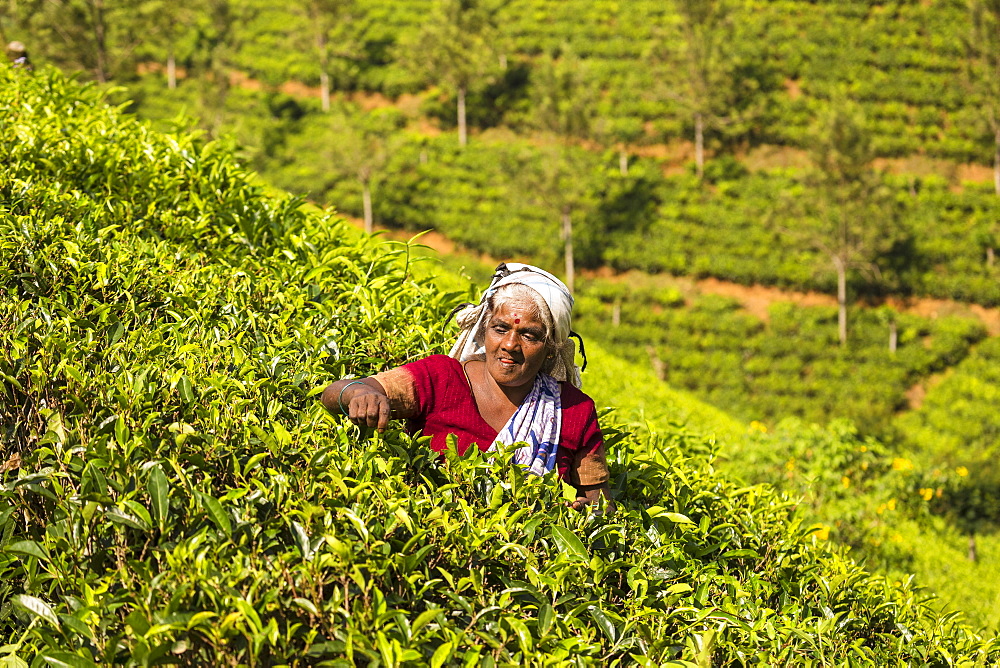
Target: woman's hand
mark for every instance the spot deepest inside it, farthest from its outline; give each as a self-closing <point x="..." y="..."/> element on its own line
<point x="588" y="494"/>
<point x="364" y="402"/>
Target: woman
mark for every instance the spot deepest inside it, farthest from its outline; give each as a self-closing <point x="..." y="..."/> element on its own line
<point x="510" y="378"/>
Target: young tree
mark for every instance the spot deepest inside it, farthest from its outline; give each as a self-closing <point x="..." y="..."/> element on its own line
<point x="983" y="71"/>
<point x="335" y="37"/>
<point x="457" y="46"/>
<point x="983" y="81"/>
<point x="163" y="23"/>
<point x="848" y="215"/>
<point x="358" y="147"/>
<point x="217" y="41"/>
<point x="563" y="110"/>
<point x="619" y="133"/>
<point x="710" y="70"/>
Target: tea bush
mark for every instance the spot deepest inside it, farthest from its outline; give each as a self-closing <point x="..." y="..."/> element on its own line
<point x="789" y="366"/>
<point x="171" y="492"/>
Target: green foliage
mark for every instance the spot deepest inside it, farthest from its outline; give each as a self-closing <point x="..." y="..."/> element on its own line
<point x="789" y="365"/>
<point x="171" y="492"/>
<point x="955" y="431"/>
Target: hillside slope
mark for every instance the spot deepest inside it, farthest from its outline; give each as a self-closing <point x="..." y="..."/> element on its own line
<point x="172" y="493"/>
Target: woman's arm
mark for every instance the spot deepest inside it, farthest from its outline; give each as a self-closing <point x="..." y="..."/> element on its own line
<point x="363" y="400"/>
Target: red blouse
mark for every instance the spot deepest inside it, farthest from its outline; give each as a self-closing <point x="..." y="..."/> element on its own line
<point x="446" y="405"/>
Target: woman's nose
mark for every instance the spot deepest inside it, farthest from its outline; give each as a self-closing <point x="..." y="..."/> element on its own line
<point x="511" y="341"/>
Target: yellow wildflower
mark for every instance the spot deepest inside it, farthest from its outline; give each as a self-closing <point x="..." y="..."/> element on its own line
<point x="863" y="448"/>
<point x="962" y="471"/>
<point x="927" y="493"/>
<point x="790" y="465"/>
<point x="891" y="504"/>
<point x="758" y="426"/>
<point x="845" y="481"/>
<point x="822" y="532"/>
<point x="902" y="464"/>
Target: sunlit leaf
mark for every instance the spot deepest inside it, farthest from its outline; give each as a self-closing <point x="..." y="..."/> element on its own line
<point x="569" y="543"/>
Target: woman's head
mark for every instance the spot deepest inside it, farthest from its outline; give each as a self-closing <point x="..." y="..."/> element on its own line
<point x="514" y="343"/>
<point x="536" y="293"/>
<point x="527" y="300"/>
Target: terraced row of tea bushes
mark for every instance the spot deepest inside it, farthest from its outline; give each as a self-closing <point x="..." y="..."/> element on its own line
<point x="642" y="221"/>
<point x="893" y="509"/>
<point x="954" y="434"/>
<point x="902" y="60"/>
<point x="172" y="493"/>
<point x="791" y="365"/>
<point x="735" y="229"/>
<point x="955" y="418"/>
<point x="740" y="233"/>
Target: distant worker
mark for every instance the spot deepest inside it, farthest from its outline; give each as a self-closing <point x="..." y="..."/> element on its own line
<point x="18" y="55"/>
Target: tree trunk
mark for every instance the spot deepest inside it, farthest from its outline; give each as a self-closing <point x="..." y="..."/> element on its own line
<point x="324" y="90"/>
<point x="699" y="145"/>
<point x="996" y="161"/>
<point x="841" y="299"/>
<point x="366" y="203"/>
<point x="973" y="556"/>
<point x="659" y="368"/>
<point x="321" y="51"/>
<point x="171" y="69"/>
<point x="990" y="256"/>
<point x="567" y="235"/>
<point x="893" y="337"/>
<point x="616" y="314"/>
<point x="623" y="161"/>
<point x="463" y="138"/>
<point x="462" y="135"/>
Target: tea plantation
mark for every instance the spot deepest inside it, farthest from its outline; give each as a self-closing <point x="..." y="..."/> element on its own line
<point x="171" y="492"/>
<point x="789" y="365"/>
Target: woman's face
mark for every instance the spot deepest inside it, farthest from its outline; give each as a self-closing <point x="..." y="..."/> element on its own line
<point x="515" y="344"/>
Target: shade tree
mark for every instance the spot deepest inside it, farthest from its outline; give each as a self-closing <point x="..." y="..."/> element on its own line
<point x="164" y="25"/>
<point x="710" y="69"/>
<point x="983" y="71"/>
<point x="563" y="98"/>
<point x="458" y="47"/>
<point x="847" y="213"/>
<point x="334" y="38"/>
<point x="982" y="78"/>
<point x="347" y="145"/>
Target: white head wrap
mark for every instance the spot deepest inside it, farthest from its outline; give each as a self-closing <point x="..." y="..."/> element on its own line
<point x="472" y="319"/>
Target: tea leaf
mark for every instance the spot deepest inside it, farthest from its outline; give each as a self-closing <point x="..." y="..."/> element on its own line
<point x="36" y="606"/>
<point x="159" y="491"/>
<point x="569" y="543"/>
